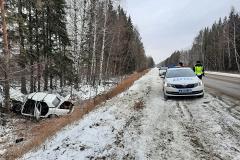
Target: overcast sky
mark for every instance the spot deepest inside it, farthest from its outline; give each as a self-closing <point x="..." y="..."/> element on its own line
<point x="169" y="25"/>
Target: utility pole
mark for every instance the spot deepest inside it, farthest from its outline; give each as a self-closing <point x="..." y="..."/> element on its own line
<point x="7" y="57"/>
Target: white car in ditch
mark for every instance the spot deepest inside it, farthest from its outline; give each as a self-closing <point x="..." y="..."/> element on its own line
<point x="42" y="105"/>
<point x="182" y="82"/>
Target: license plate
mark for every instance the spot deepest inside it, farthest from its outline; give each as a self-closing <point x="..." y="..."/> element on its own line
<point x="181" y="91"/>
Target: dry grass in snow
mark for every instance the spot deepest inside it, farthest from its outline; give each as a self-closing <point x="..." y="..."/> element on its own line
<point x="139" y="105"/>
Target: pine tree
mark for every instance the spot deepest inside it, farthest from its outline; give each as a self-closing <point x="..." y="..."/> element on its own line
<point x="7" y="57"/>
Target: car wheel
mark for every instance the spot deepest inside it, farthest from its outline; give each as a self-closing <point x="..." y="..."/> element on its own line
<point x="16" y="108"/>
<point x="52" y="116"/>
<point x="165" y="97"/>
<point x="201" y="96"/>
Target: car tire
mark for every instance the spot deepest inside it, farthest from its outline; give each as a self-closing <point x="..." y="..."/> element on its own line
<point x="52" y="116"/>
<point x="201" y="96"/>
<point x="16" y="108"/>
<point x="165" y="97"/>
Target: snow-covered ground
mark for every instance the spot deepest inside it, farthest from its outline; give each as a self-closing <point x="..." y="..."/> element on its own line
<point x="224" y="74"/>
<point x="125" y="128"/>
<point x="84" y="92"/>
<point x="14" y="127"/>
<point x="11" y="129"/>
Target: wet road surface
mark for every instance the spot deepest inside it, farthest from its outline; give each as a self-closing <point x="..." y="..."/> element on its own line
<point x="224" y="85"/>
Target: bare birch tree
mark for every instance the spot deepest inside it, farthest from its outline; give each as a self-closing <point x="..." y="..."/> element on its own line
<point x="103" y="40"/>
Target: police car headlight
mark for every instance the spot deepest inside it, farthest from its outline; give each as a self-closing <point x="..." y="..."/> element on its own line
<point x="167" y="85"/>
<point x="200" y="83"/>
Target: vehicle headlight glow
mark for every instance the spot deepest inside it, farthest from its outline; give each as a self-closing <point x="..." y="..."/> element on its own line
<point x="200" y="83"/>
<point x="167" y="85"/>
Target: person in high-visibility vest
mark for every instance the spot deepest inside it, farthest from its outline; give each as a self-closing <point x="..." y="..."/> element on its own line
<point x="199" y="69"/>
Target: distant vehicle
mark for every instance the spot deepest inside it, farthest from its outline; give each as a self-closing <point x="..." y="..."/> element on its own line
<point x="182" y="82"/>
<point x="42" y="105"/>
<point x="162" y="71"/>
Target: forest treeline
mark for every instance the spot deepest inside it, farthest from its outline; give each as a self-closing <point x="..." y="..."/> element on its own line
<point x="73" y="42"/>
<point x="217" y="47"/>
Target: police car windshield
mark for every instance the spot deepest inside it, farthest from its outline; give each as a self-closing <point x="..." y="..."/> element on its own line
<point x="180" y="73"/>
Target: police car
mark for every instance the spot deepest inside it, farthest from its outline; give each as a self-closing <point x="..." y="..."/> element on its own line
<point x="182" y="82"/>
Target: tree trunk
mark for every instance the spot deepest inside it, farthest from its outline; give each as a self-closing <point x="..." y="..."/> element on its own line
<point x="30" y="53"/>
<point x="46" y="77"/>
<point x="103" y="42"/>
<point x="93" y="64"/>
<point x="22" y="47"/>
<point x="61" y="80"/>
<point x="79" y="57"/>
<point x="235" y="47"/>
<point x="31" y="77"/>
<point x="109" y="55"/>
<point x="38" y="77"/>
<point x="38" y="51"/>
<point x="229" y="54"/>
<point x="51" y="81"/>
<point x="7" y="58"/>
<point x="75" y="47"/>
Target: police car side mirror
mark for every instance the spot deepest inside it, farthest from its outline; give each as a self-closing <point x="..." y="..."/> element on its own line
<point x="163" y="76"/>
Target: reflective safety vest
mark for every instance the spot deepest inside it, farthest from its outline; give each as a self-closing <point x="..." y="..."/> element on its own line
<point x="198" y="70"/>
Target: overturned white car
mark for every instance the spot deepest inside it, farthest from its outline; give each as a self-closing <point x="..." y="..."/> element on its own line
<point x="40" y="104"/>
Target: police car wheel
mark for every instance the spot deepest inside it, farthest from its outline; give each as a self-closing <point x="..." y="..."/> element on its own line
<point x="165" y="96"/>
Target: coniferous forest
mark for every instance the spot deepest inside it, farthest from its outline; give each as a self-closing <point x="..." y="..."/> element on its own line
<point x="72" y="42"/>
<point x="217" y="47"/>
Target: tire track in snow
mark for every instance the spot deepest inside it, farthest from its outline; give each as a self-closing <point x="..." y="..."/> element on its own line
<point x="154" y="137"/>
<point x="163" y="135"/>
<point x="232" y="108"/>
<point x="215" y="141"/>
<point x="226" y="119"/>
<point x="168" y="139"/>
<point x="190" y="132"/>
<point x="231" y="128"/>
<point x="185" y="112"/>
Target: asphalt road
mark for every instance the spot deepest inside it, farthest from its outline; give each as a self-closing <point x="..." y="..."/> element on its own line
<point x="223" y="85"/>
